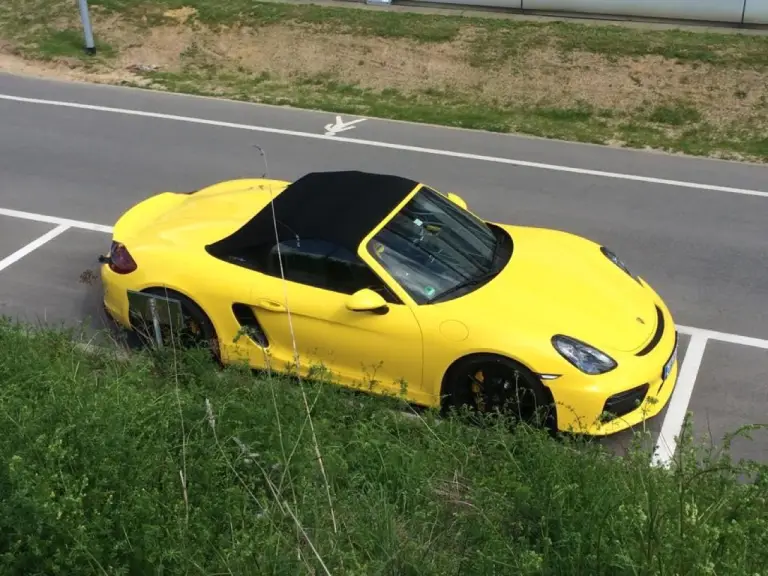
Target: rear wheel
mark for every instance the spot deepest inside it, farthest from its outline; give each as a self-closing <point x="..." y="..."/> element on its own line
<point x="197" y="331"/>
<point x="488" y="384"/>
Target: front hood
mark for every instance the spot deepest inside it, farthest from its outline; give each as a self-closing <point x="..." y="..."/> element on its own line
<point x="562" y="284"/>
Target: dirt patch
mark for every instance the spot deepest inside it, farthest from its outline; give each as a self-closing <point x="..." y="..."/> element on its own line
<point x="181" y="15"/>
<point x="669" y="95"/>
<point x="70" y="70"/>
<point x="536" y="77"/>
<point x="161" y="47"/>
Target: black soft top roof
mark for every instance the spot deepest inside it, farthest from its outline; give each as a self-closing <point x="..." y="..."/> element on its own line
<point x="340" y="207"/>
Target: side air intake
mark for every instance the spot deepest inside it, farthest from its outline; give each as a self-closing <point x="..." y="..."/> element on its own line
<point x="247" y="320"/>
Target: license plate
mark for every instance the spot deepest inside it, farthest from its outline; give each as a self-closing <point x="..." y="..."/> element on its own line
<point x="668" y="366"/>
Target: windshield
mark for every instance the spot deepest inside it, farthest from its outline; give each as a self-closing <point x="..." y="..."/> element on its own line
<point x="432" y="246"/>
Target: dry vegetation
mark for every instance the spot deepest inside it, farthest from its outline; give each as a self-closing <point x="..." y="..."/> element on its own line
<point x="700" y="93"/>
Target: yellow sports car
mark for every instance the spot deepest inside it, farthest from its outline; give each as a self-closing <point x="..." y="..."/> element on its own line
<point x="381" y="278"/>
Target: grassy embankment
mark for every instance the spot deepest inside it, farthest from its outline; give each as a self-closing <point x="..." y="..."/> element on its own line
<point x="694" y="92"/>
<point x="169" y="466"/>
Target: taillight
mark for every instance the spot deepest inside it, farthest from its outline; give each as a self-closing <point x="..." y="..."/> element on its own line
<point x="120" y="260"/>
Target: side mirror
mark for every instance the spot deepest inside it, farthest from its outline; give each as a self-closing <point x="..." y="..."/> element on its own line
<point x="366" y="300"/>
<point x="456" y="199"/>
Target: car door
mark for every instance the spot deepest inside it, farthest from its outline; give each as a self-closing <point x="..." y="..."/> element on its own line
<point x="379" y="352"/>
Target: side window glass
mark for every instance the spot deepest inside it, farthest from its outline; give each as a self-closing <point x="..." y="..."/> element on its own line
<point x="326" y="266"/>
<point x="303" y="261"/>
<point x="256" y="258"/>
<point x="348" y="274"/>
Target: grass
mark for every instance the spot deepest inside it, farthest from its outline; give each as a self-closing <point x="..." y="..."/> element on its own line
<point x="609" y="40"/>
<point x="162" y="464"/>
<point x="66" y="43"/>
<point x="686" y="91"/>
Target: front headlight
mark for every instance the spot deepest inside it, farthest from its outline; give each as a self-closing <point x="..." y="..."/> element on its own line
<point x="618" y="262"/>
<point x="585" y="357"/>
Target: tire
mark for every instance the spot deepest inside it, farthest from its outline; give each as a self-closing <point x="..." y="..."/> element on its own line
<point x="198" y="329"/>
<point x="487" y="383"/>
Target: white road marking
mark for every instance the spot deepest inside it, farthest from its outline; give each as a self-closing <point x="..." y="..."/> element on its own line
<point x="341" y="126"/>
<point x="688" y="330"/>
<point x="32" y="246"/>
<point x="55" y="220"/>
<point x="403" y="147"/>
<point x="724" y="337"/>
<point x="666" y="444"/>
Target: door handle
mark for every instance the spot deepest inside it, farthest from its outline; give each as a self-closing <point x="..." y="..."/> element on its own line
<point x="271" y="305"/>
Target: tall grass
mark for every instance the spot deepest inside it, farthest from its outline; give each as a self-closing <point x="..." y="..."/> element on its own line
<point x="166" y="465"/>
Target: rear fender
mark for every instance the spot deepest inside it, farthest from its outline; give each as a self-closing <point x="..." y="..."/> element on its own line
<point x="141" y="215"/>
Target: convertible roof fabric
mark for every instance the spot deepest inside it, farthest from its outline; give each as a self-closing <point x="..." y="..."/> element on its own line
<point x="340" y="207"/>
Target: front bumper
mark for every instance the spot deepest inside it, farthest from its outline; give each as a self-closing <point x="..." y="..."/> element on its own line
<point x="634" y="392"/>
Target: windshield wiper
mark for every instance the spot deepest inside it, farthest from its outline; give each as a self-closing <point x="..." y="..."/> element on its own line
<point x="493" y="253"/>
<point x="491" y="272"/>
<point x="473" y="281"/>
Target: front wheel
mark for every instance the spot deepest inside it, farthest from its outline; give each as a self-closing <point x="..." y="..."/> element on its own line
<point x="197" y="331"/>
<point x="489" y="384"/>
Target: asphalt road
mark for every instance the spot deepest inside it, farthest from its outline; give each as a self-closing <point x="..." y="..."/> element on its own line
<point x="702" y="242"/>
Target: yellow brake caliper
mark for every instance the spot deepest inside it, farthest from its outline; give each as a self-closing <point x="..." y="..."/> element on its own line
<point x="477" y="388"/>
<point x="192" y="325"/>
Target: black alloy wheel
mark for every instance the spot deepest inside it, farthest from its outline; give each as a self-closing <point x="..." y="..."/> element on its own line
<point x="197" y="332"/>
<point x="489" y="384"/>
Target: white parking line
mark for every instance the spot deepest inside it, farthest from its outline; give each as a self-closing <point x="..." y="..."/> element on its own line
<point x="724" y="337"/>
<point x="67" y="223"/>
<point x="360" y="142"/>
<point x="32" y="246"/>
<point x="666" y="444"/>
<point x="55" y="220"/>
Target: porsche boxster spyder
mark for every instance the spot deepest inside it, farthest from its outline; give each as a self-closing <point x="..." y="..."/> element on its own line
<point x="382" y="278"/>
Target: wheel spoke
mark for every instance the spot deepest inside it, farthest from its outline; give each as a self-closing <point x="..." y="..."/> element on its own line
<point x="496" y="387"/>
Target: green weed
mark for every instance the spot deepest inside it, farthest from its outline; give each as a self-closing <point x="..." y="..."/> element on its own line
<point x="164" y="464"/>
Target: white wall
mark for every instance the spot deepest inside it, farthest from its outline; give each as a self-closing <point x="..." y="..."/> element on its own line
<point x="511" y="4"/>
<point x="756" y="12"/>
<point x="715" y="10"/>
<point x="727" y="11"/>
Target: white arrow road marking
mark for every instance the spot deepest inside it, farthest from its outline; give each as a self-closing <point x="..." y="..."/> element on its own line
<point x="340" y="126"/>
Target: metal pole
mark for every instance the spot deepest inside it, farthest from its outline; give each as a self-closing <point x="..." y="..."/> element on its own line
<point x="155" y="320"/>
<point x="90" y="47"/>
